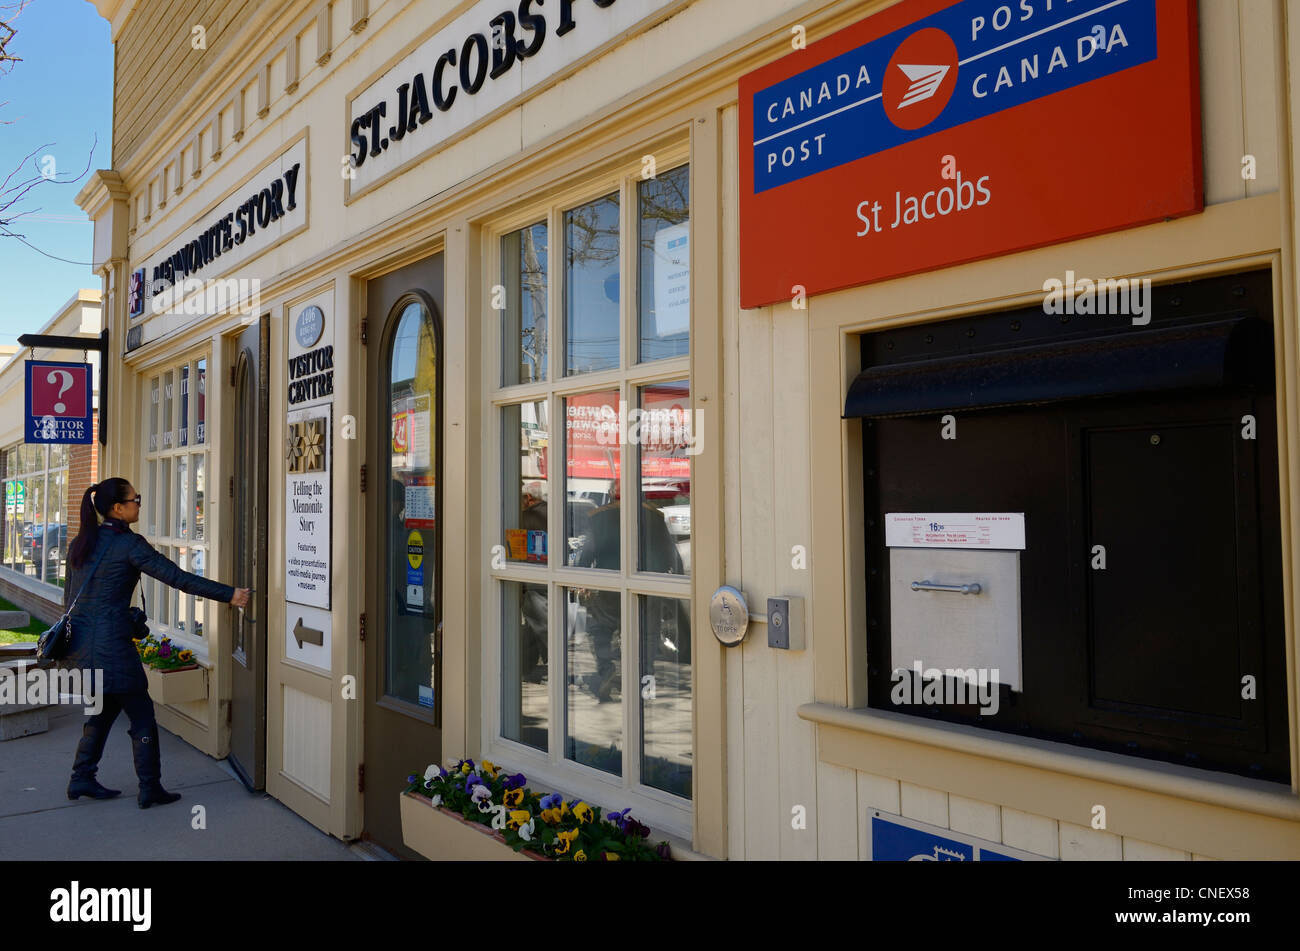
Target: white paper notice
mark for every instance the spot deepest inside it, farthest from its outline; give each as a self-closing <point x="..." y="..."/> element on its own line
<point x="999" y="530"/>
<point x="673" y="280"/>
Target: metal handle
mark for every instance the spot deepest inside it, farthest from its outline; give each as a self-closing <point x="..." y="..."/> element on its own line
<point x="973" y="588"/>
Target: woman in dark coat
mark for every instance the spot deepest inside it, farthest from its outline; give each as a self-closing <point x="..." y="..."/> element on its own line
<point x="102" y="632"/>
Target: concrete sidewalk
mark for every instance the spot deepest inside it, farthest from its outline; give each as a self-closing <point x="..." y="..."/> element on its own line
<point x="37" y="821"/>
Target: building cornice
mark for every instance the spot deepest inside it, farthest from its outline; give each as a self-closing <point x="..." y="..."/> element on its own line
<point x="116" y="12"/>
<point x="103" y="186"/>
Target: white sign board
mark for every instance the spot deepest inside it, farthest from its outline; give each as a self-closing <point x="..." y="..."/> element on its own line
<point x="303" y="627"/>
<point x="309" y="455"/>
<point x="308" y="506"/>
<point x="995" y="530"/>
<point x="475" y="66"/>
<point x="176" y="279"/>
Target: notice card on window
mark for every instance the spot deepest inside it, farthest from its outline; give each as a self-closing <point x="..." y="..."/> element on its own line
<point x="999" y="530"/>
<point x="419" y="512"/>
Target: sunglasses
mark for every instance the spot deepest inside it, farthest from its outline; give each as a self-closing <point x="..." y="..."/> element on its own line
<point x="136" y="500"/>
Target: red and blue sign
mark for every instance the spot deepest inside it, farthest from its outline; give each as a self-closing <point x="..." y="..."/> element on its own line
<point x="58" y="402"/>
<point x="936" y="133"/>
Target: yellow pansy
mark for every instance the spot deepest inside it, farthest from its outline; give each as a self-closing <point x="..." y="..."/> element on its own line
<point x="582" y="812"/>
<point x="611" y="857"/>
<point x="513" y="797"/>
<point x="465" y="769"/>
<point x="518" y="817"/>
<point x="579" y="856"/>
<point x="564" y="840"/>
<point x="491" y="767"/>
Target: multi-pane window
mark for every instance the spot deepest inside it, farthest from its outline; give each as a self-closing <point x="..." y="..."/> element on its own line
<point x="593" y="407"/>
<point x="174" y="489"/>
<point x="36" y="511"/>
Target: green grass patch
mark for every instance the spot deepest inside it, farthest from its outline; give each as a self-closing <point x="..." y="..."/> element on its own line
<point x="29" y="634"/>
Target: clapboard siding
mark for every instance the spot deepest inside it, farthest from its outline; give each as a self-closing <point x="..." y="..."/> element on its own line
<point x="154" y="63"/>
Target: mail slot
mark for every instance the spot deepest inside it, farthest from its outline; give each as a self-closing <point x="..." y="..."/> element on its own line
<point x="935" y="623"/>
<point x="1143" y="612"/>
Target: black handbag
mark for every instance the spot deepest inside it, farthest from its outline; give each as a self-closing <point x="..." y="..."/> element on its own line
<point x="53" y="644"/>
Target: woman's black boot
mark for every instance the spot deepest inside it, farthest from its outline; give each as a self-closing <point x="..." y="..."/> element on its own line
<point x="148" y="769"/>
<point x="84" y="767"/>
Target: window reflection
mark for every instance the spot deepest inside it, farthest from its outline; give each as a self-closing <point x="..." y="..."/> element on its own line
<point x="591" y="292"/>
<point x="664" y="264"/>
<point x="527" y="434"/>
<point x="35" y="525"/>
<point x="523" y="266"/>
<point x="592" y="458"/>
<point x="413" y="608"/>
<point x="594" y="679"/>
<point x="664" y="434"/>
<point x="665" y="625"/>
<point x="525" y="700"/>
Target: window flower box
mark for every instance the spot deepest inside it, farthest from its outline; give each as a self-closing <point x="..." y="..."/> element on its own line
<point x="470" y="811"/>
<point x="182" y="685"/>
<point x="443" y="836"/>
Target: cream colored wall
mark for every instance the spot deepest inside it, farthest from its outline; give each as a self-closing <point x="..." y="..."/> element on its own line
<point x="797" y="469"/>
<point x="474" y="177"/>
<point x="782" y="473"/>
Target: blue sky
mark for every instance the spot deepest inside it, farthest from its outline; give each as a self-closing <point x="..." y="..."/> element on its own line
<point x="61" y="93"/>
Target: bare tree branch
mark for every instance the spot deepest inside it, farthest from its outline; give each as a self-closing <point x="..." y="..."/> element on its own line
<point x="11" y="192"/>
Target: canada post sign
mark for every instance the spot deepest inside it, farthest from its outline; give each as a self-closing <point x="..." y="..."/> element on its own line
<point x="58" y="402"/>
<point x="936" y="133"/>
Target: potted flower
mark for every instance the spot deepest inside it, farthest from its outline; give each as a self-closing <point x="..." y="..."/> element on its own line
<point x="470" y="811"/>
<point x="173" y="673"/>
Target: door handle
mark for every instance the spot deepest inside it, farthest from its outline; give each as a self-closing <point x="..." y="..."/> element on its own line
<point x="972" y="588"/>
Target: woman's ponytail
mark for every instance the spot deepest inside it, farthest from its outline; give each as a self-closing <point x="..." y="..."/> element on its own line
<point x="98" y="500"/>
<point x="84" y="543"/>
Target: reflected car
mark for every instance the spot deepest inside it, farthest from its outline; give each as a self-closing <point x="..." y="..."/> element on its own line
<point x="51" y="543"/>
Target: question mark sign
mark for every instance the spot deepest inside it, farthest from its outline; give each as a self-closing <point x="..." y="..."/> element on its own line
<point x="60" y="407"/>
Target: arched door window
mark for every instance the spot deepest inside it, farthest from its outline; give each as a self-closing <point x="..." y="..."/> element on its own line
<point x="414" y="609"/>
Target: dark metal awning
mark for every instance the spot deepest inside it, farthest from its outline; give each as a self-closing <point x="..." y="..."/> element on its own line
<point x="1218" y="354"/>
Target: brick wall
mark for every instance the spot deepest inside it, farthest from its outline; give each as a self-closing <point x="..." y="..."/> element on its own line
<point x="83" y="472"/>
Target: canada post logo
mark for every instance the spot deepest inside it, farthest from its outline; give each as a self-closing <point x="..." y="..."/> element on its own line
<point x="920" y="79"/>
<point x="964" y="63"/>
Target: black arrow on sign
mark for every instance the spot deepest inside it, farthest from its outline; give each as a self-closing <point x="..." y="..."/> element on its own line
<point x="308" y="635"/>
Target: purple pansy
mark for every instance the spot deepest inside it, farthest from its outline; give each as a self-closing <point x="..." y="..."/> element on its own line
<point x="552" y="801"/>
<point x="517" y="781"/>
<point x="471" y="781"/>
<point x="165" y="650"/>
